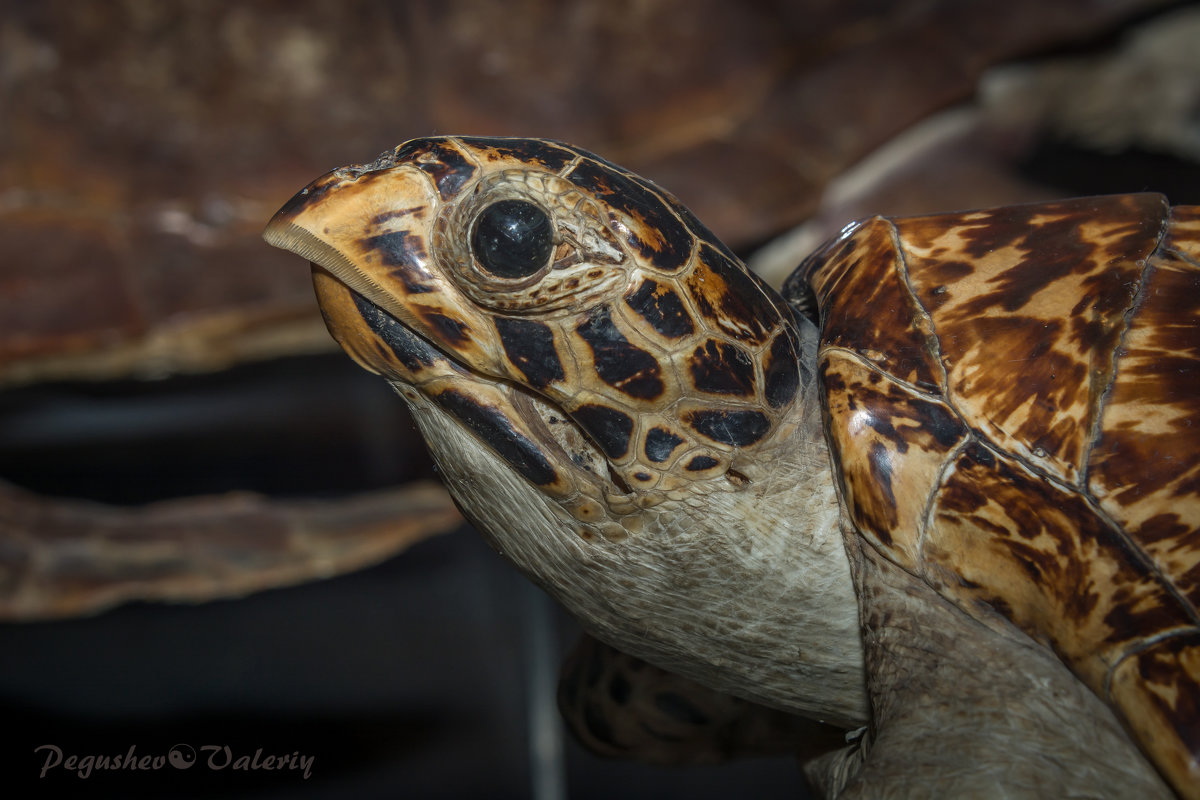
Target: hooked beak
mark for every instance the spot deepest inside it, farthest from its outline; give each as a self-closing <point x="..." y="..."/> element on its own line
<point x="367" y="231"/>
<point x="339" y="221"/>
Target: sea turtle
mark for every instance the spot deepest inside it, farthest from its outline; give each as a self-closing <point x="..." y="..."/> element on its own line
<point x="945" y="488"/>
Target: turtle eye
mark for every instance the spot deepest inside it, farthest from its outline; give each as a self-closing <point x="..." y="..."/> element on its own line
<point x="512" y="239"/>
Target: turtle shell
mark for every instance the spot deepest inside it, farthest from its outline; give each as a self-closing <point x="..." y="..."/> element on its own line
<point x="1012" y="402"/>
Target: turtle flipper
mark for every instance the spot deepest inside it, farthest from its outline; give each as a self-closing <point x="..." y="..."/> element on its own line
<point x="619" y="706"/>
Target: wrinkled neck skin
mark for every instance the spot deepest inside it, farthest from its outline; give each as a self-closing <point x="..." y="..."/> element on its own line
<point x="746" y="591"/>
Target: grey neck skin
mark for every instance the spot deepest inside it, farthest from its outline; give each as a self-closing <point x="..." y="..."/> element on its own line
<point x="746" y="591"/>
<point x="964" y="710"/>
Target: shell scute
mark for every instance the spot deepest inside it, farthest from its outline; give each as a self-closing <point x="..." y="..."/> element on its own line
<point x="867" y="307"/>
<point x="1160" y="680"/>
<point x="1059" y="570"/>
<point x="1028" y="334"/>
<point x="1143" y="468"/>
<point x="892" y="444"/>
<point x="1183" y="236"/>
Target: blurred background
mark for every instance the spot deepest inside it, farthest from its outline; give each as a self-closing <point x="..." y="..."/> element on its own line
<point x="175" y="424"/>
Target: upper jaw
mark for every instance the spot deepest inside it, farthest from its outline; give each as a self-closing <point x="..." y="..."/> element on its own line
<point x="373" y="230"/>
<point x="334" y="220"/>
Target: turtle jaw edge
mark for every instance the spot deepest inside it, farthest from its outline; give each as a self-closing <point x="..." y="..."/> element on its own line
<point x="322" y="219"/>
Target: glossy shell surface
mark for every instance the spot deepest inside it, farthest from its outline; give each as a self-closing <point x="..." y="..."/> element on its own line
<point x="1012" y="400"/>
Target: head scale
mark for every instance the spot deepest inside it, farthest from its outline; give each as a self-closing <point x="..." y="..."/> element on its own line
<point x="648" y="354"/>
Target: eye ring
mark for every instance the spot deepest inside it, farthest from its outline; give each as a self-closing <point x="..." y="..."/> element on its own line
<point x="512" y="239"/>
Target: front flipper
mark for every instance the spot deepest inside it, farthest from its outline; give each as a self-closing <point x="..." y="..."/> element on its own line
<point x="622" y="707"/>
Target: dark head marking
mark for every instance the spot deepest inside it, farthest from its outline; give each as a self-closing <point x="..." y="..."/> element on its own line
<point x="781" y="373"/>
<point x="655" y="231"/>
<point x="411" y="350"/>
<point x="406" y="254"/>
<point x="609" y="428"/>
<point x="530" y="151"/>
<point x="618" y="363"/>
<point x="660" y="443"/>
<point x="722" y="368"/>
<point x="496" y="430"/>
<point x="529" y="345"/>
<point x="661" y="307"/>
<point x="442" y="161"/>
<point x="701" y="463"/>
<point x="737" y="428"/>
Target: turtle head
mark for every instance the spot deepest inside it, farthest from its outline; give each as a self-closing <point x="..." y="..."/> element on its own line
<point x="575" y="318"/>
<point x="604" y="386"/>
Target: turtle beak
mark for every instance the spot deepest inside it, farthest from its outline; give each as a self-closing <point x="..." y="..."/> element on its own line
<point x="367" y="231"/>
<point x="349" y="222"/>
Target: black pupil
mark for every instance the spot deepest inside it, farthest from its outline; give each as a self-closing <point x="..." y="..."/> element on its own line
<point x="513" y="239"/>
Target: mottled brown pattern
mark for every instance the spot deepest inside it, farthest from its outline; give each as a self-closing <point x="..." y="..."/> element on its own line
<point x="1183" y="237"/>
<point x="892" y="445"/>
<point x="1004" y="537"/>
<point x="552" y="155"/>
<point x="647" y="222"/>
<point x="722" y="368"/>
<point x="1156" y="688"/>
<point x="1144" y="468"/>
<point x="1028" y="334"/>
<point x="864" y="272"/>
<point x="730" y="299"/>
